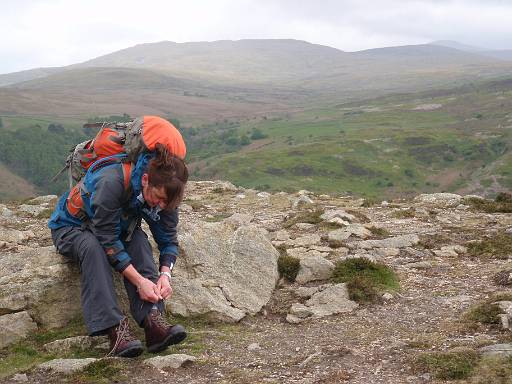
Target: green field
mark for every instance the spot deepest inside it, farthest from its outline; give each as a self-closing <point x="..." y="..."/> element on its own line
<point x="448" y="140"/>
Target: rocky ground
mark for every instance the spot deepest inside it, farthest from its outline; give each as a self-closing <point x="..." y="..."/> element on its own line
<point x="307" y="331"/>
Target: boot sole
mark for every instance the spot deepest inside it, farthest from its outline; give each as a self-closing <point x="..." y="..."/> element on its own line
<point x="173" y="338"/>
<point x="133" y="351"/>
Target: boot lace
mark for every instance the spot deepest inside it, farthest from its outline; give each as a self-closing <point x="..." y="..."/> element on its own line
<point x="159" y="319"/>
<point x="123" y="334"/>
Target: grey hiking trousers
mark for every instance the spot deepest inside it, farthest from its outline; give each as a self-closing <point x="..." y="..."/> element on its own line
<point x="99" y="302"/>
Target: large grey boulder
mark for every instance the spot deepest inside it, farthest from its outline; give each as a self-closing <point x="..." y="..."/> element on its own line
<point x="223" y="272"/>
<point x="14" y="327"/>
<point x="41" y="282"/>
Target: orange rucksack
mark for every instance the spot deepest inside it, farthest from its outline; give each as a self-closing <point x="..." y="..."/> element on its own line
<point x="132" y="138"/>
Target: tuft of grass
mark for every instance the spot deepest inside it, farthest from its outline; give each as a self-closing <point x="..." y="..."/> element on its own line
<point x="365" y="279"/>
<point x="310" y="217"/>
<point x="404" y="213"/>
<point x="497" y="247"/>
<point x="434" y="240"/>
<point x="503" y="277"/>
<point x="487" y="311"/>
<point x="102" y="371"/>
<point x="451" y="365"/>
<point x="336" y="243"/>
<point x="288" y="267"/>
<point x="502" y="204"/>
<point x="503" y="197"/>
<point x="369" y="202"/>
<point x="496" y="370"/>
<point x="380" y="232"/>
<point x="45" y="214"/>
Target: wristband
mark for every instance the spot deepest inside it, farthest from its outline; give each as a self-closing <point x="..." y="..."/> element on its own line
<point x="166" y="274"/>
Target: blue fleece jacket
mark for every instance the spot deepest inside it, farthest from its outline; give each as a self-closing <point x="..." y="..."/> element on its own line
<point x="111" y="212"/>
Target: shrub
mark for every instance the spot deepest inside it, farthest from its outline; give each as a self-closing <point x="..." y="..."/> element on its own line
<point x="451" y="365"/>
<point x="403" y="213"/>
<point x="500" y="205"/>
<point x="365" y="279"/>
<point x="498" y="247"/>
<point x="288" y="267"/>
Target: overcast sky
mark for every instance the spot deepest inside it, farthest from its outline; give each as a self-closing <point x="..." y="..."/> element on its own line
<point x="43" y="33"/>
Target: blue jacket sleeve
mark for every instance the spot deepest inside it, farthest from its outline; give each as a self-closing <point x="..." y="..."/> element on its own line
<point x="106" y="205"/>
<point x="165" y="233"/>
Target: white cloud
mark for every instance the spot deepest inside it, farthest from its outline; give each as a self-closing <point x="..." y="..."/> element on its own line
<point x="57" y="32"/>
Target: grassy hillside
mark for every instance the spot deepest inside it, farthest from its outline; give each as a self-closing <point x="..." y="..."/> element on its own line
<point x="458" y="140"/>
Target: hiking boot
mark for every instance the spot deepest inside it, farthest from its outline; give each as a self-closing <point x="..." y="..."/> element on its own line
<point x="122" y="341"/>
<point x="159" y="333"/>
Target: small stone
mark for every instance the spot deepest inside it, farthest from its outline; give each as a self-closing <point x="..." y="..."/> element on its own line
<point x="186" y="208"/>
<point x="292" y="319"/>
<point x="240" y="196"/>
<point x="173" y="361"/>
<point x="387" y="296"/>
<point x="339" y="213"/>
<point x="384" y="204"/>
<point x="5" y="212"/>
<point x="238" y="219"/>
<point x="66" y="366"/>
<point x="253" y="347"/>
<point x="314" y="268"/>
<point x="301" y="201"/>
<point x="20" y="378"/>
<point x="300" y="310"/>
<point x="420" y="265"/>
<point x="304" y="226"/>
<point x="504" y="321"/>
<point x="305" y="241"/>
<point x="263" y="195"/>
<point x="306" y="292"/>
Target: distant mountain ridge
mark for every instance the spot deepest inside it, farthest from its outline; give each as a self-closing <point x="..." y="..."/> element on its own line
<point x="225" y="78"/>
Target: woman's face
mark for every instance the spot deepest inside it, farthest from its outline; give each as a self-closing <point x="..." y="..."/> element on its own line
<point x="152" y="195"/>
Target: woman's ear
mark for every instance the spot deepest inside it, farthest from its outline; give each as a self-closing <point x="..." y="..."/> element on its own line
<point x="145" y="180"/>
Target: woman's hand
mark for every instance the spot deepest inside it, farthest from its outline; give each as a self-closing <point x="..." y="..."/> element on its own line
<point x="148" y="291"/>
<point x="163" y="286"/>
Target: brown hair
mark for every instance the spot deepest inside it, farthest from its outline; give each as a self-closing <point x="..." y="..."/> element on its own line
<point x="170" y="172"/>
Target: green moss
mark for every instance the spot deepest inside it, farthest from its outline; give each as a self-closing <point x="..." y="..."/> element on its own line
<point x="365" y="279"/>
<point x="379" y="232"/>
<point x="452" y="365"/>
<point x="497" y="247"/>
<point x="310" y="217"/>
<point x="102" y="371"/>
<point x="288" y="267"/>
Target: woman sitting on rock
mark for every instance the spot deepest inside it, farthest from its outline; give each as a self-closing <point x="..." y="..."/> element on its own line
<point x="98" y="225"/>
